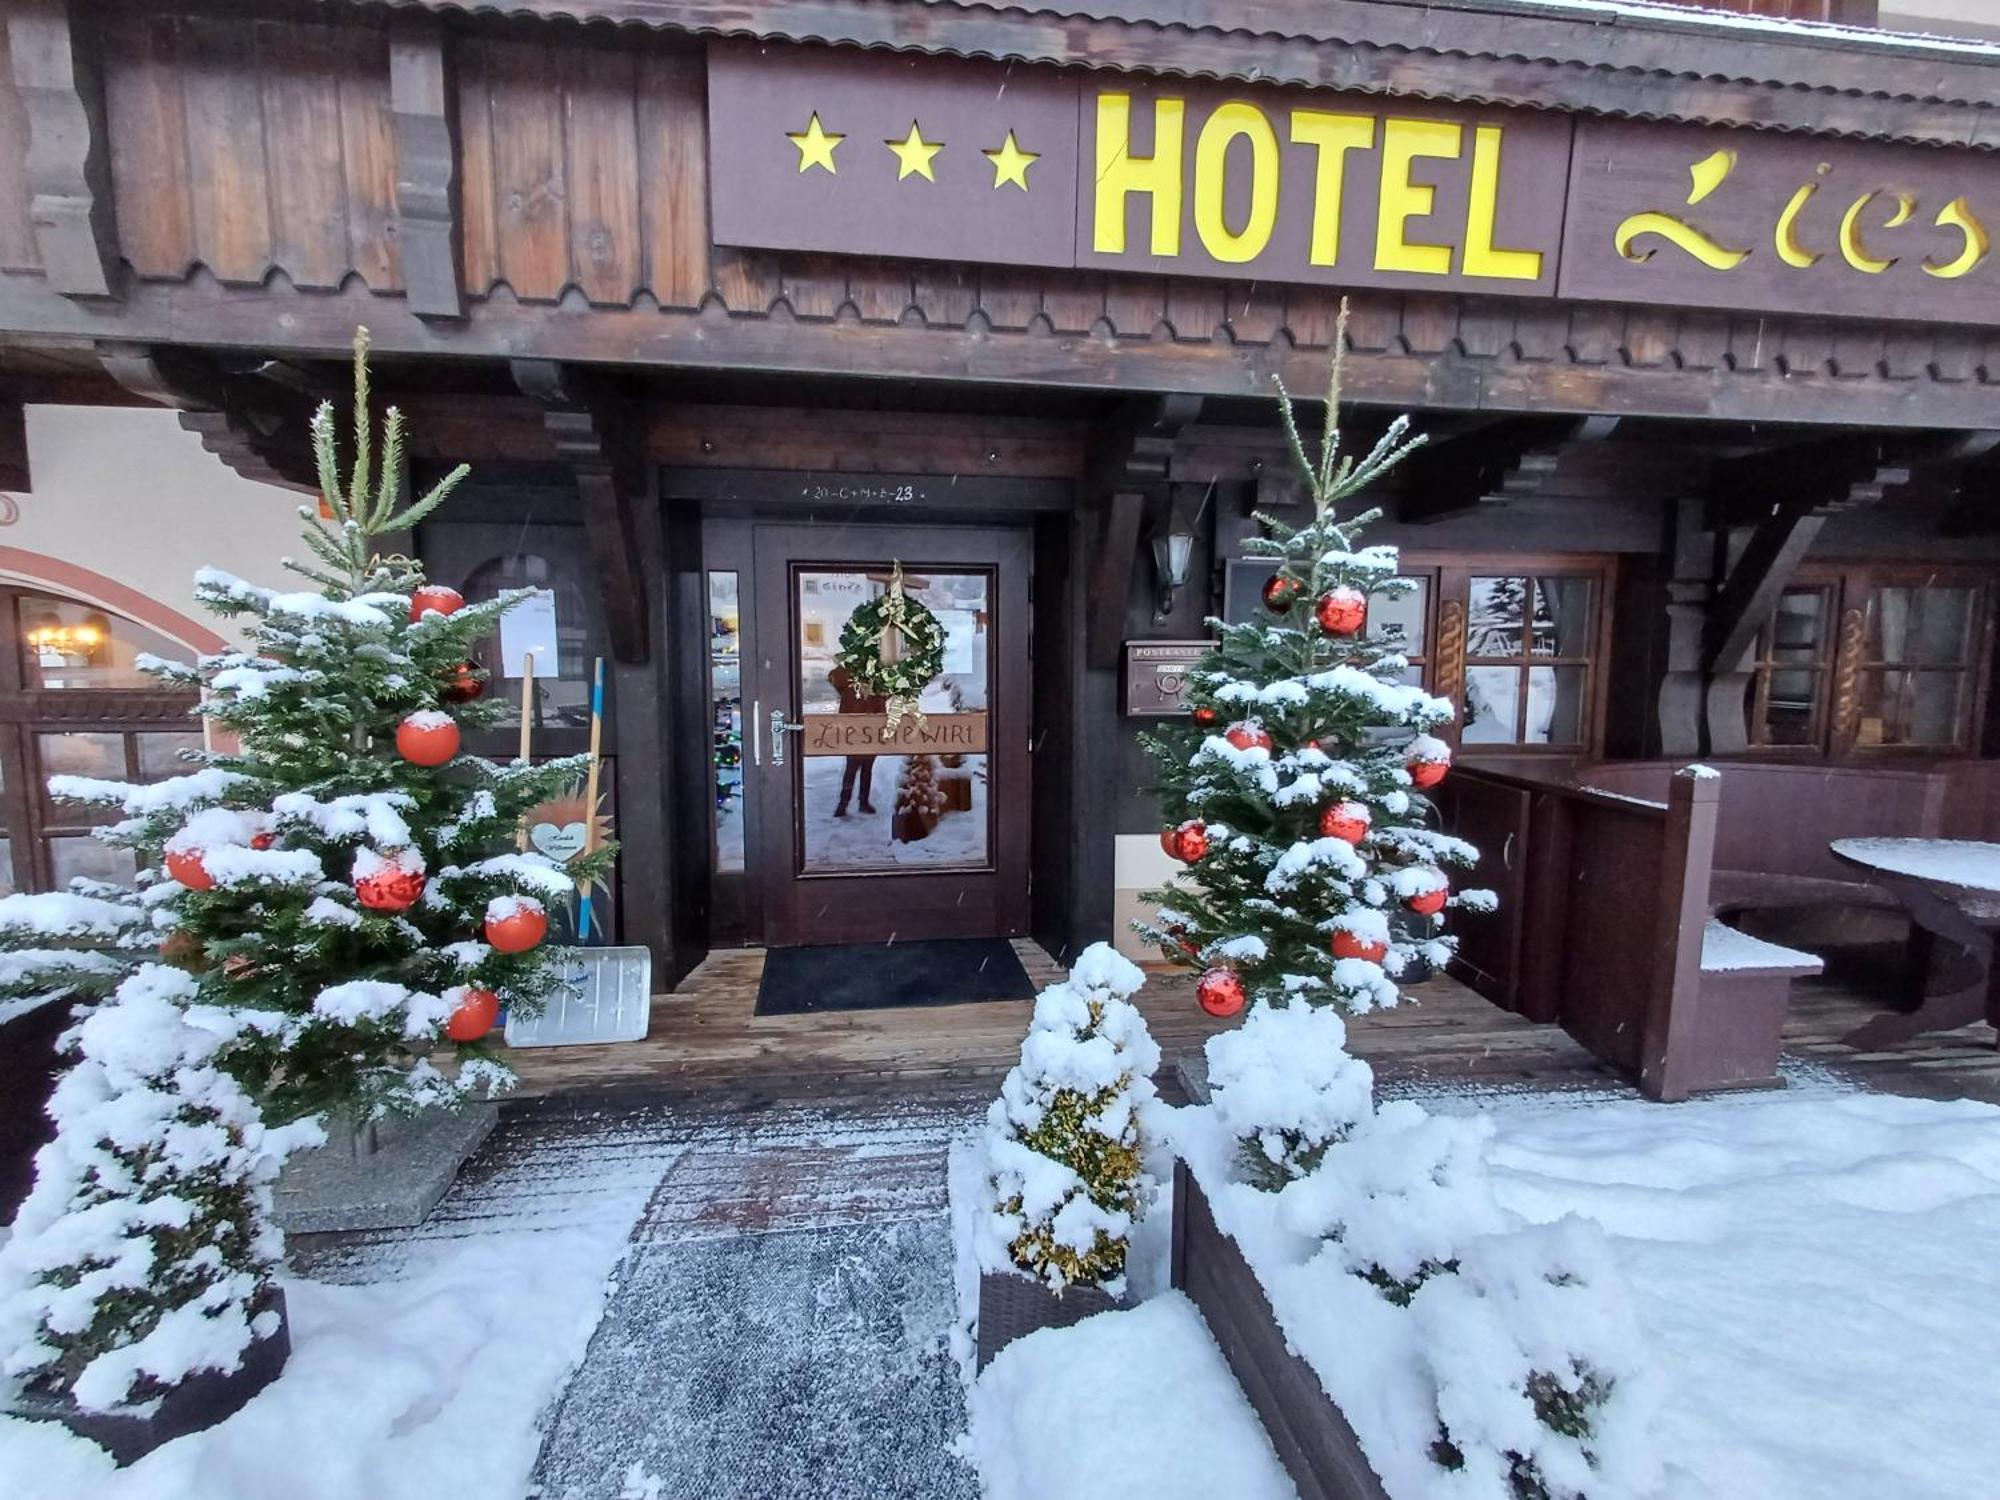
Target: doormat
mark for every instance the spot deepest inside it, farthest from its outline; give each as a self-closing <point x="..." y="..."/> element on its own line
<point x="881" y="976"/>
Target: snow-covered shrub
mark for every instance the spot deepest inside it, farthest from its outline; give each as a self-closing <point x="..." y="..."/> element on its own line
<point x="141" y="1254"/>
<point x="1065" y="1140"/>
<point x="1520" y="1336"/>
<point x="1286" y="1088"/>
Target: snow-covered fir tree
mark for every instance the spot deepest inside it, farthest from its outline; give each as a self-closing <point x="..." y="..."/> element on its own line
<point x="1315" y="870"/>
<point x="146" y="1250"/>
<point x="1065" y="1141"/>
<point x="343" y="885"/>
<point x="919" y="798"/>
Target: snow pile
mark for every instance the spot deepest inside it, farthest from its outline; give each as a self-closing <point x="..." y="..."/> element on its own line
<point x="1132" y="1404"/>
<point x="405" y="1389"/>
<point x="141" y="1253"/>
<point x="1476" y="1355"/>
<point x="1066" y="1138"/>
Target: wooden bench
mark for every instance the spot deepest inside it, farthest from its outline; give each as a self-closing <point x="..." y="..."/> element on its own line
<point x="1745" y="991"/>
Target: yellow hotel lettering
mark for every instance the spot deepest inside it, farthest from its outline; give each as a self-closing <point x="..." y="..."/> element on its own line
<point x="1399" y="145"/>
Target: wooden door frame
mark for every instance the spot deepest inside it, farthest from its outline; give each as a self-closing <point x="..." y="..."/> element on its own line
<point x="1000" y="900"/>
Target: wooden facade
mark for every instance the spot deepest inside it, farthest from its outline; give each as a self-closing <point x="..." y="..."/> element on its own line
<point x="199" y="203"/>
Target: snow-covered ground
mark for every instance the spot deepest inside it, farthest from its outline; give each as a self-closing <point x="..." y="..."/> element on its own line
<point x="414" y="1387"/>
<point x="1812" y="1274"/>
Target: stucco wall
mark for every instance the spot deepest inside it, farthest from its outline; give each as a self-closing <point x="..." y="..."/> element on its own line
<point x="1980" y="18"/>
<point x="126" y="505"/>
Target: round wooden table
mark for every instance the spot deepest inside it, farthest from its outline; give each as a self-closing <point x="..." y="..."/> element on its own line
<point x="1951" y="889"/>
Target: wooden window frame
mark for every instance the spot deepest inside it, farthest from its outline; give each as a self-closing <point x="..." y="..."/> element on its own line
<point x="1853" y="585"/>
<point x="1763" y="664"/>
<point x="30" y="818"/>
<point x="1448" y="658"/>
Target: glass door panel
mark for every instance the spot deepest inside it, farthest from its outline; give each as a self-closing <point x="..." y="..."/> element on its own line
<point x="876" y="797"/>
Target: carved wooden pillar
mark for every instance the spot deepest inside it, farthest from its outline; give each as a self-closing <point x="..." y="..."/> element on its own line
<point x="427" y="203"/>
<point x="591" y="429"/>
<point x="1689" y="588"/>
<point x="68" y="165"/>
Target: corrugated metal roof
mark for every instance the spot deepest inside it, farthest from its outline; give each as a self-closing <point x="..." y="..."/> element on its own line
<point x="1622" y="58"/>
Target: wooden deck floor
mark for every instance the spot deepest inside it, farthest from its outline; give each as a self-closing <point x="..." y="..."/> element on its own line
<point x="705" y="1038"/>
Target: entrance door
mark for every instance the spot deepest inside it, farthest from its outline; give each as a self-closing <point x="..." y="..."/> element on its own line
<point x="867" y="833"/>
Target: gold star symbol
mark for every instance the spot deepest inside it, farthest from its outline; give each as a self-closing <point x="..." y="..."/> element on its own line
<point x="1011" y="163"/>
<point x="914" y="153"/>
<point x="815" y="145"/>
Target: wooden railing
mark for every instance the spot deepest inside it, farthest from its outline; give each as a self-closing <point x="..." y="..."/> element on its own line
<point x="1603" y="902"/>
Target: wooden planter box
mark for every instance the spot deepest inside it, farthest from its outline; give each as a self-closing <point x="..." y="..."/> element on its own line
<point x="1011" y="1306"/>
<point x="1314" y="1443"/>
<point x="200" y="1401"/>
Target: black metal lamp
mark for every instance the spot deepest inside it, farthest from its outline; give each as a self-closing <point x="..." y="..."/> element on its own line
<point x="1173" y="549"/>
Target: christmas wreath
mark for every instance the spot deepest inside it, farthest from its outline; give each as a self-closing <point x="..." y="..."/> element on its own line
<point x="892" y="647"/>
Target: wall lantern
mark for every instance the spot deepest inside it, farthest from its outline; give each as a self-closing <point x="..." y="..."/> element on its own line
<point x="1173" y="549"/>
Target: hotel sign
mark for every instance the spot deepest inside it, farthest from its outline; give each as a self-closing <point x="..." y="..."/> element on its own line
<point x="889" y="155"/>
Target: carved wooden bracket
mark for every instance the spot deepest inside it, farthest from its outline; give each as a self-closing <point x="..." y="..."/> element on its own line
<point x="427" y="199"/>
<point x="1131" y="456"/>
<point x="68" y="163"/>
<point x="1488" y="459"/>
<point x="590" y="429"/>
<point x="257" y="428"/>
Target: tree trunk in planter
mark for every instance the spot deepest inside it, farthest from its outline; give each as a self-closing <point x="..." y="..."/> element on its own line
<point x="1313" y="1440"/>
<point x="1011" y="1305"/>
<point x="200" y="1401"/>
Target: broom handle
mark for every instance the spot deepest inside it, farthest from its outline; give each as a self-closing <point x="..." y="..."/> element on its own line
<point x="527" y="733"/>
<point x="590" y="792"/>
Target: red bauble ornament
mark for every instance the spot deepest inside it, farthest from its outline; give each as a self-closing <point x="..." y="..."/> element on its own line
<point x="1428" y="903"/>
<point x="1220" y="992"/>
<point x="427" y="738"/>
<point x="1348" y="945"/>
<point x="514" y="924"/>
<point x="1204" y="715"/>
<point x="1189" y="842"/>
<point x="1189" y="946"/>
<point x="1281" y="593"/>
<point x="463" y="685"/>
<point x="1247" y="736"/>
<point x="262" y="841"/>
<point x="474" y="1016"/>
<point x="1341" y="611"/>
<point x="1345" y="820"/>
<point x="185" y="866"/>
<point x="388" y="883"/>
<point x="1429" y="760"/>
<point x="1167" y="837"/>
<point x="435" y="596"/>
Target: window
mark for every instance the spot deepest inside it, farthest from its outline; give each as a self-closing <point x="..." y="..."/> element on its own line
<point x="1529" y="643"/>
<point x="74" y="702"/>
<point x="1520" y="653"/>
<point x="1872" y="659"/>
<point x="1791" y="679"/>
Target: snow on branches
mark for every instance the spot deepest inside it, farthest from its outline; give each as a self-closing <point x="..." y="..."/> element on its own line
<point x="1064" y="1140"/>
<point x="146" y="1249"/>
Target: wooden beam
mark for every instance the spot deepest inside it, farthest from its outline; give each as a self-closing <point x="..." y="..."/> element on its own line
<point x="1749" y="594"/>
<point x="259" y="430"/>
<point x="428" y="226"/>
<point x="1487" y="458"/>
<point x="68" y="162"/>
<point x="1117" y="542"/>
<point x="14" y="473"/>
<point x="591" y="430"/>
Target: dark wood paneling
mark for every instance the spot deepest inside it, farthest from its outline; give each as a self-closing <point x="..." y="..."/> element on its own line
<point x="673" y="176"/>
<point x="734" y="437"/>
<point x="250" y="147"/>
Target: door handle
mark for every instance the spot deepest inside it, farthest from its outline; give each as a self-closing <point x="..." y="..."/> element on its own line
<point x="780" y="727"/>
<point x="1507" y="853"/>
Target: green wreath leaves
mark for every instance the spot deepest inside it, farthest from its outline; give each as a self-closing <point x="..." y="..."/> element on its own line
<point x="861" y="647"/>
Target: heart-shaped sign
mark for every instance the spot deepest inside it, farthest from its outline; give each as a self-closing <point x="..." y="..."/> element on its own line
<point x="561" y="842"/>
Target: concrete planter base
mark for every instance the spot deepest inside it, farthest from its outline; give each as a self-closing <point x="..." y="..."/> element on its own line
<point x="200" y="1401"/>
<point x="1313" y="1440"/>
<point x="394" y="1186"/>
<point x="1010" y="1306"/>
